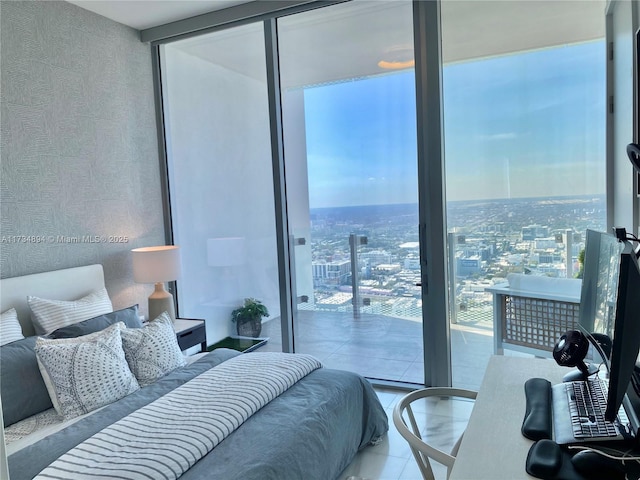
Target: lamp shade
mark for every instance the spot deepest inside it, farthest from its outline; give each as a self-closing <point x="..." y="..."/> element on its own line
<point x="225" y="251"/>
<point x="156" y="264"/>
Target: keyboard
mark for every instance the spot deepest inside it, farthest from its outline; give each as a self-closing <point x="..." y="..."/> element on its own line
<point x="587" y="404"/>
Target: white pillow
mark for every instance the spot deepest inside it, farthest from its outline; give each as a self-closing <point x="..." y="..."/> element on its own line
<point x="49" y="315"/>
<point x="85" y="373"/>
<point x="152" y="351"/>
<point x="10" y="329"/>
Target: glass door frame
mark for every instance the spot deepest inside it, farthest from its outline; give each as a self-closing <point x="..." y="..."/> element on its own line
<point x="431" y="194"/>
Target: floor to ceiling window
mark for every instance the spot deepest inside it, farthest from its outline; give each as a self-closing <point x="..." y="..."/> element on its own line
<point x="348" y="101"/>
<point x="524" y="131"/>
<point x="524" y="126"/>
<point x="221" y="188"/>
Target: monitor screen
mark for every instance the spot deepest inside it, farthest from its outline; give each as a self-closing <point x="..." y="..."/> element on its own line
<point x="600" y="282"/>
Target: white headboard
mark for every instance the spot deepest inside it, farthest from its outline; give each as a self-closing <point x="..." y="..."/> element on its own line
<point x="66" y="284"/>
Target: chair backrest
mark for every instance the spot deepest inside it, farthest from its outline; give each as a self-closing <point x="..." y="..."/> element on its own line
<point x="406" y="424"/>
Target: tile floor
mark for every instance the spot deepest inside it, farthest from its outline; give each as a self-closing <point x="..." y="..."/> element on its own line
<point x="379" y="346"/>
<point x="442" y="421"/>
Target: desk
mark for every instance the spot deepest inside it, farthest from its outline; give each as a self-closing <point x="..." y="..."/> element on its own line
<point x="493" y="447"/>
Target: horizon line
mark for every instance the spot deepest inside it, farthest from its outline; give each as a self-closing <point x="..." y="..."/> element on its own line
<point x="555" y="197"/>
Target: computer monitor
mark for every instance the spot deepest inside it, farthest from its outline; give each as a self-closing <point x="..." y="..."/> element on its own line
<point x="626" y="336"/>
<point x="610" y="306"/>
<point x="600" y="282"/>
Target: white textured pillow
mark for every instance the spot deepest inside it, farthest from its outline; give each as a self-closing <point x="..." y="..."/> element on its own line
<point x="49" y="315"/>
<point x="10" y="329"/>
<point x="152" y="351"/>
<point x="85" y="373"/>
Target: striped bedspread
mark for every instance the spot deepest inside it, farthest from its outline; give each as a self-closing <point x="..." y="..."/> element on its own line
<point x="165" y="438"/>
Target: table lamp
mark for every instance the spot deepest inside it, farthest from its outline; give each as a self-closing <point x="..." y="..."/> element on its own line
<point x="157" y="265"/>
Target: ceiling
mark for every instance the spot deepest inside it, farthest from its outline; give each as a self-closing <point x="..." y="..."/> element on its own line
<point x="141" y="14"/>
<point x="350" y="39"/>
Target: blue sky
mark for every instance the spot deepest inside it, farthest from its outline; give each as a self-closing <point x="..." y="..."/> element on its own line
<point x="522" y="125"/>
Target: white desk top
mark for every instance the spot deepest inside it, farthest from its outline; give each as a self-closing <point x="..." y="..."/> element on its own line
<point x="493" y="447"/>
<point x="558" y="296"/>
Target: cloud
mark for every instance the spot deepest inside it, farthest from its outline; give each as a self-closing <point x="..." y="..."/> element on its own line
<point x="498" y="136"/>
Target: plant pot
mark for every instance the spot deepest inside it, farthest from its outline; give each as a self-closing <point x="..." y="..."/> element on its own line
<point x="249" y="327"/>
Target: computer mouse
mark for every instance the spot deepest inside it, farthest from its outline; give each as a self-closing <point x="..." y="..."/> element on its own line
<point x="593" y="466"/>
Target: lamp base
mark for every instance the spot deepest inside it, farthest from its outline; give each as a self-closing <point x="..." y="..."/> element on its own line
<point x="161" y="301"/>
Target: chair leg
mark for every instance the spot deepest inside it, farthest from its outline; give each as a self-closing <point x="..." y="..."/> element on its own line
<point x="456" y="447"/>
<point x="423" y="464"/>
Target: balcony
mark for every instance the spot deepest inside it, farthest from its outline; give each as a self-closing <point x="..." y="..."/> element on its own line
<point x="380" y="346"/>
<point x="526" y="320"/>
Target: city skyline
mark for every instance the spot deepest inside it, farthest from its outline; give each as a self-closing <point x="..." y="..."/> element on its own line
<point x="513" y="112"/>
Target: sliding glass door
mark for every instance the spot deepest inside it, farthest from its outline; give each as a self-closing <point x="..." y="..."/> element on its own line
<point x="493" y="165"/>
<point x="349" y="121"/>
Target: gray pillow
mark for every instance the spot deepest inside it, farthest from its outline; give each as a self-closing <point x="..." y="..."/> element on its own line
<point x="21" y="386"/>
<point x="129" y="316"/>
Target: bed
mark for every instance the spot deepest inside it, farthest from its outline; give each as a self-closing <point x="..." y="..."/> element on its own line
<point x="311" y="429"/>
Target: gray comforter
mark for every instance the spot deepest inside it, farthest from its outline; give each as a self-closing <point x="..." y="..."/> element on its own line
<point x="311" y="431"/>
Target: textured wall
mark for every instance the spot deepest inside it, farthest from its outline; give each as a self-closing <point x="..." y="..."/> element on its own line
<point x="79" y="158"/>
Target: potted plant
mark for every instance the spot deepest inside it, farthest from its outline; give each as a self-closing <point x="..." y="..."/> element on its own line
<point x="248" y="317"/>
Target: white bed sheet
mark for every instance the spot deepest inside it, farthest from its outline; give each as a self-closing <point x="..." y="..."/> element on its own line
<point x="28" y="431"/>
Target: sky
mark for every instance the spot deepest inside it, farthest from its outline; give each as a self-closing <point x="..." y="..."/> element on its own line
<point x="525" y="125"/>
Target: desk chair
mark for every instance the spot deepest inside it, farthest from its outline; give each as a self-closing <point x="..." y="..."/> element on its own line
<point x="411" y="433"/>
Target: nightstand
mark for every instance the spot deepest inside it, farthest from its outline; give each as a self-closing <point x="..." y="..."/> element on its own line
<point x="190" y="332"/>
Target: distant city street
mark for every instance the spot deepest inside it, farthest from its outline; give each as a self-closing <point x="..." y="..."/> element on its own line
<point x="488" y="238"/>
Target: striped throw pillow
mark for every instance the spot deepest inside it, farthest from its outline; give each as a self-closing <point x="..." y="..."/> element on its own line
<point x="49" y="315"/>
<point x="10" y="329"/>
